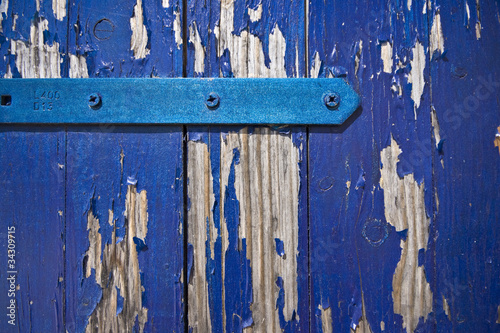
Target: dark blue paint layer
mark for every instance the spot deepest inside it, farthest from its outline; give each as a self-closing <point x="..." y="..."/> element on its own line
<point x="108" y="52"/>
<point x="465" y="90"/>
<point x="31" y="207"/>
<point x="238" y="281"/>
<point x="354" y="252"/>
<point x="96" y="179"/>
<point x="279" y="247"/>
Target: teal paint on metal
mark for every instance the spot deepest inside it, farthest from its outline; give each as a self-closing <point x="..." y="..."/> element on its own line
<point x="177" y="101"/>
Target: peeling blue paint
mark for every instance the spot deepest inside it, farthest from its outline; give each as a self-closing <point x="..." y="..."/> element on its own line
<point x="190" y="262"/>
<point x="421" y="257"/>
<point x="361" y="180"/>
<point x="140" y="245"/>
<point x="355" y="309"/>
<point x="91" y="294"/>
<point x="462" y="239"/>
<point x="93" y="160"/>
<point x="119" y="301"/>
<point x="214" y="267"/>
<point x="280" y="248"/>
<point x="339" y="152"/>
<point x="238" y="281"/>
<point x="280" y="301"/>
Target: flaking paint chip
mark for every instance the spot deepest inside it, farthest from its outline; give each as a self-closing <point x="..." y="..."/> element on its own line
<point x="497" y="139"/>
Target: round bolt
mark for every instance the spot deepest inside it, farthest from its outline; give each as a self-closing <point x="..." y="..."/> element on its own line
<point x="95" y="101"/>
<point x="212" y="100"/>
<point x="332" y="100"/>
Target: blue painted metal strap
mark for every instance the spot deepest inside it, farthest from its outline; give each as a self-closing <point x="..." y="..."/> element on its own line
<point x="177" y="101"/>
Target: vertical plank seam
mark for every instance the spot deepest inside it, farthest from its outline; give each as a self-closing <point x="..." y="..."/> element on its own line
<point x="309" y="279"/>
<point x="64" y="225"/>
<point x="65" y="73"/>
<point x="308" y="180"/>
<point x="185" y="226"/>
<point x="66" y="54"/>
<point x="430" y="16"/>
<point x="184" y="10"/>
<point x="306" y="39"/>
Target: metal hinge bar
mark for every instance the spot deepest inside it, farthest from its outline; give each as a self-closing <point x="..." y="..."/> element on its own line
<point x="177" y="101"/>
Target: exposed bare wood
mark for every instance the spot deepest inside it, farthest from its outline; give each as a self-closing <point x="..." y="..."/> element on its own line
<point x="267" y="187"/>
<point x="118" y="273"/>
<point x="200" y="219"/>
<point x="326" y="319"/>
<point x="405" y="209"/>
<point x="78" y="66"/>
<point x="497" y="139"/>
<point x="35" y="58"/>
<point x="139" y="39"/>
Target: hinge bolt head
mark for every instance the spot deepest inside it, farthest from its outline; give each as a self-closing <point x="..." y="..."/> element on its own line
<point x="332" y="100"/>
<point x="95" y="101"/>
<point x="212" y="100"/>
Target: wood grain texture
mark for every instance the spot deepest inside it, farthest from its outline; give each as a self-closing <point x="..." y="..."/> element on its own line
<point x="202" y="234"/>
<point x="256" y="280"/>
<point x="135" y="284"/>
<point x="118" y="272"/>
<point x="247" y="230"/>
<point x="245" y="39"/>
<point x="392" y="215"/>
<point x="371" y="213"/>
<point x="33" y="39"/>
<point x="124" y="245"/>
<point x="266" y="185"/>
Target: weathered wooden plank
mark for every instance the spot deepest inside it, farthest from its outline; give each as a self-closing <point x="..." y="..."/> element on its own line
<point x="124" y="224"/>
<point x="145" y="289"/>
<point x="32" y="228"/>
<point x="33" y="45"/>
<point x="370" y="186"/>
<point x="125" y="39"/>
<point x="465" y="83"/>
<point x="250" y="265"/>
<point x="247" y="230"/>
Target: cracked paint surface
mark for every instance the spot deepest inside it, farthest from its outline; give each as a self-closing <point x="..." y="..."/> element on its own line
<point x="35" y="58"/>
<point x="357" y="146"/>
<point x="268" y="197"/>
<point x="258" y="235"/>
<point x="416" y="76"/>
<point x="405" y="209"/>
<point x="118" y="272"/>
<point x="139" y="39"/>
